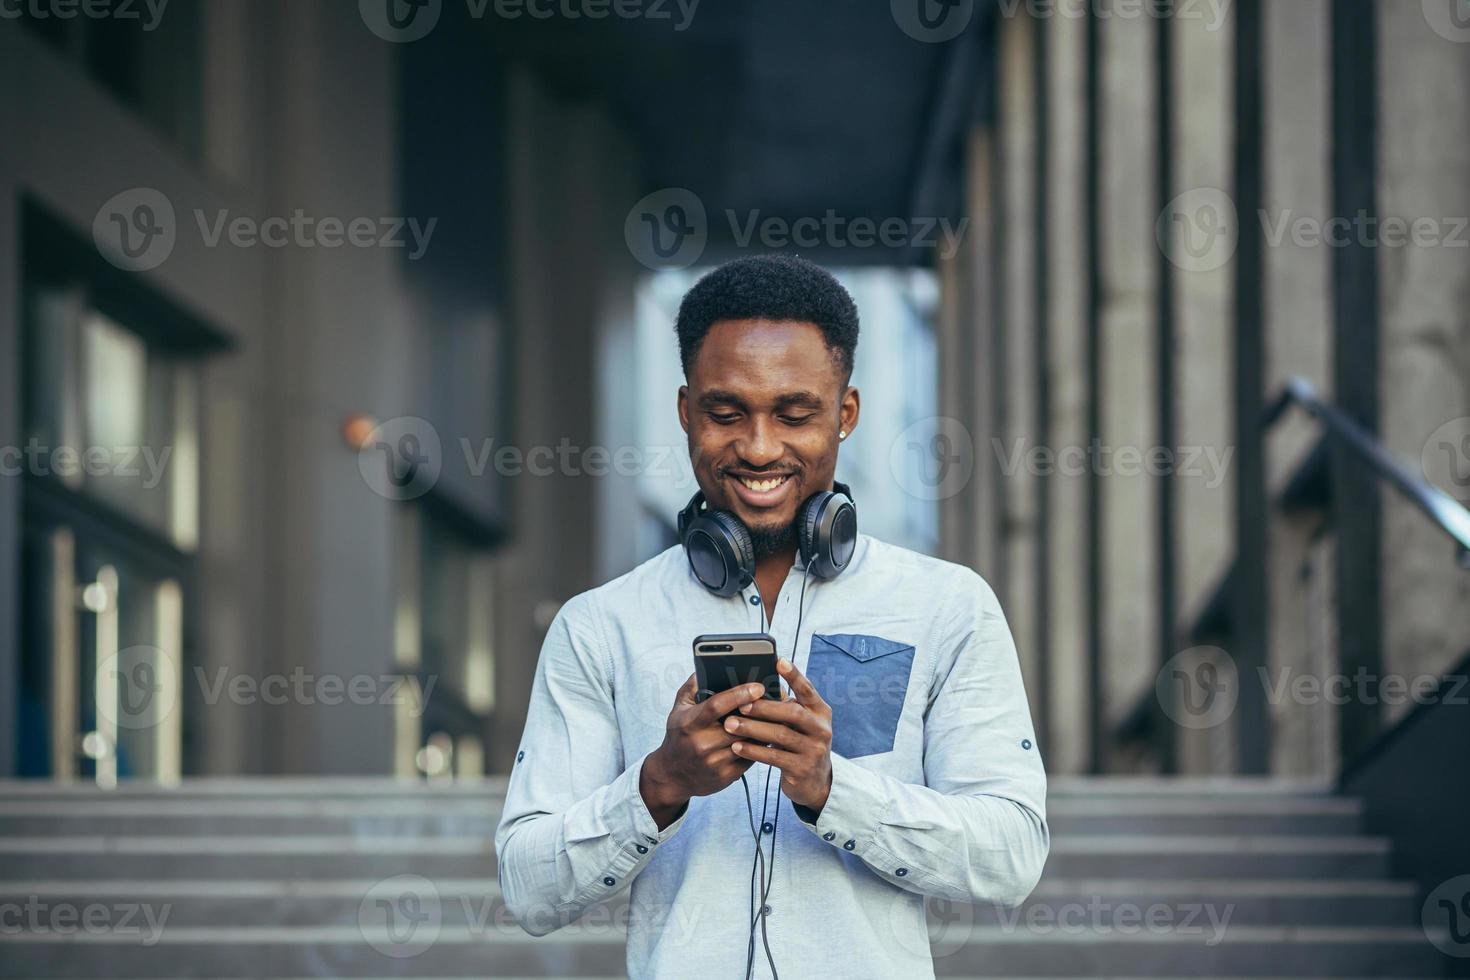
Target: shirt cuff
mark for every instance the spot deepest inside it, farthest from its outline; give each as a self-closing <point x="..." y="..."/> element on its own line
<point x="633" y="825"/>
<point x="855" y="807"/>
<point x="633" y="835"/>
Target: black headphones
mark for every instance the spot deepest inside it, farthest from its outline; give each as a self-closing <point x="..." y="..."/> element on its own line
<point x="723" y="558"/>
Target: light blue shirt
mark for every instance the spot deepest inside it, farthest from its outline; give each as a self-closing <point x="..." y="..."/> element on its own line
<point x="937" y="782"/>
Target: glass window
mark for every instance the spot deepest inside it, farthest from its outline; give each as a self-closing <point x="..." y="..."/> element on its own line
<point x="111" y="417"/>
<point x="443" y="628"/>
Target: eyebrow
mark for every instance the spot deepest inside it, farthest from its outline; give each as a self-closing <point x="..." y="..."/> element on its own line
<point x="798" y="399"/>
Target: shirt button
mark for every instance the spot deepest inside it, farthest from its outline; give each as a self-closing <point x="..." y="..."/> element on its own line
<point x="1025" y="743"/>
<point x="755" y="600"/>
<point x="766" y="827"/>
<point x="641" y="848"/>
<point x="901" y="872"/>
<point x="609" y="881"/>
<point x="829" y="835"/>
<point x="849" y="845"/>
<point x="651" y="840"/>
<point x="520" y="755"/>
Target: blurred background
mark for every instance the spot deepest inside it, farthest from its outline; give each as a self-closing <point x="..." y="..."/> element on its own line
<point x="336" y="353"/>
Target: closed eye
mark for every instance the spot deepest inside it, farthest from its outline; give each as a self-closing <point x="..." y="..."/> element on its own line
<point x="796" y="419"/>
<point x="724" y="418"/>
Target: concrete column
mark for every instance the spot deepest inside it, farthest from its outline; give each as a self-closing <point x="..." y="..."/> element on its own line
<point x="1424" y="371"/>
<point x="1298" y="341"/>
<point x="974" y="369"/>
<point x="1016" y="437"/>
<point x="1129" y="363"/>
<point x="1066" y="39"/>
<point x="343" y="339"/>
<point x="571" y="274"/>
<point x="1203" y="113"/>
<point x="10" y="420"/>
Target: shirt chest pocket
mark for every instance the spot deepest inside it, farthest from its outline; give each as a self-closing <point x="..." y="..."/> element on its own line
<point x="865" y="679"/>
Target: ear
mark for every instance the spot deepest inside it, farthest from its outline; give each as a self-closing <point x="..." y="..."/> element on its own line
<point x="847" y="415"/>
<point x="684" y="407"/>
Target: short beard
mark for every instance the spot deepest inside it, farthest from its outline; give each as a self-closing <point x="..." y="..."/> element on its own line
<point x="772" y="539"/>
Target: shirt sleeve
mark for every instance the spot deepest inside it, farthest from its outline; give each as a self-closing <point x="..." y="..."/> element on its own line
<point x="977" y="830"/>
<point x="575" y="830"/>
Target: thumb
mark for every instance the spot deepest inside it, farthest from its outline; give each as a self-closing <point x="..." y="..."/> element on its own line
<point x="687" y="690"/>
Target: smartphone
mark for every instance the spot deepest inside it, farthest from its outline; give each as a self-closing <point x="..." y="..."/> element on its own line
<point x="725" y="660"/>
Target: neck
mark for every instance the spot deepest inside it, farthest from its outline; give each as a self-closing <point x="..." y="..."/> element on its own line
<point x="770" y="575"/>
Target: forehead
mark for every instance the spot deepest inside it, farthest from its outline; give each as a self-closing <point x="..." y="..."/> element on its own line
<point x="759" y="355"/>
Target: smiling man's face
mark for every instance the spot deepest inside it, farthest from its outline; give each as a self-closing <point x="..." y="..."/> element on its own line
<point x="763" y="407"/>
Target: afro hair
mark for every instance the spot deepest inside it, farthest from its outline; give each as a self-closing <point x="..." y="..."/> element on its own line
<point x="769" y="287"/>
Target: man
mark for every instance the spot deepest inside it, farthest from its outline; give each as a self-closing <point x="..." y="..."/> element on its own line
<point x="907" y="764"/>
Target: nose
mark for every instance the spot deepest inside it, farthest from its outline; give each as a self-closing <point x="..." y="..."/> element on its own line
<point x="761" y="445"/>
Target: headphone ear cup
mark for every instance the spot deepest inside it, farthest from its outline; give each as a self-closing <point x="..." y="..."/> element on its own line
<point x="720" y="552"/>
<point x="741" y="546"/>
<point x="806" y="525"/>
<point x="827" y="533"/>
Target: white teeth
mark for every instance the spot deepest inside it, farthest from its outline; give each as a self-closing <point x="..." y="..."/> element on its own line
<point x="760" y="486"/>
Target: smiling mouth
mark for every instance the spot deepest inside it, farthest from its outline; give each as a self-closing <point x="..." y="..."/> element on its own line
<point x="763" y="485"/>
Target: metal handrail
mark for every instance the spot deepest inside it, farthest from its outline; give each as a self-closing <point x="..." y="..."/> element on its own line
<point x="1447" y="513"/>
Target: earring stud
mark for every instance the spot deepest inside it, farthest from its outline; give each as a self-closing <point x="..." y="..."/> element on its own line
<point x="842" y="434"/>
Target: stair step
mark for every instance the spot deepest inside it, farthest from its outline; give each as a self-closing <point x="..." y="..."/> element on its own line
<point x="598" y="950"/>
<point x="255" y="856"/>
<point x="1189" y="905"/>
<point x="1217" y="856"/>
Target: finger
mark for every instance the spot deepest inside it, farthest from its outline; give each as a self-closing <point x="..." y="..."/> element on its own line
<point x="766" y="732"/>
<point x="687" y="691"/>
<point x="792" y="714"/>
<point x="727" y="701"/>
<point x="779" y="758"/>
<point x="800" y="686"/>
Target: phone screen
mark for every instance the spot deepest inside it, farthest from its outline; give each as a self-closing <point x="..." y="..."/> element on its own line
<point x="727" y="660"/>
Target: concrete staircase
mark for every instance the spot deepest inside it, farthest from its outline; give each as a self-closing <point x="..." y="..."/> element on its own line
<point x="367" y="878"/>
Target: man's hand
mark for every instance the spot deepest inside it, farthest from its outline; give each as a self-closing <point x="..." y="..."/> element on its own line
<point x="695" y="757"/>
<point x="794" y="735"/>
